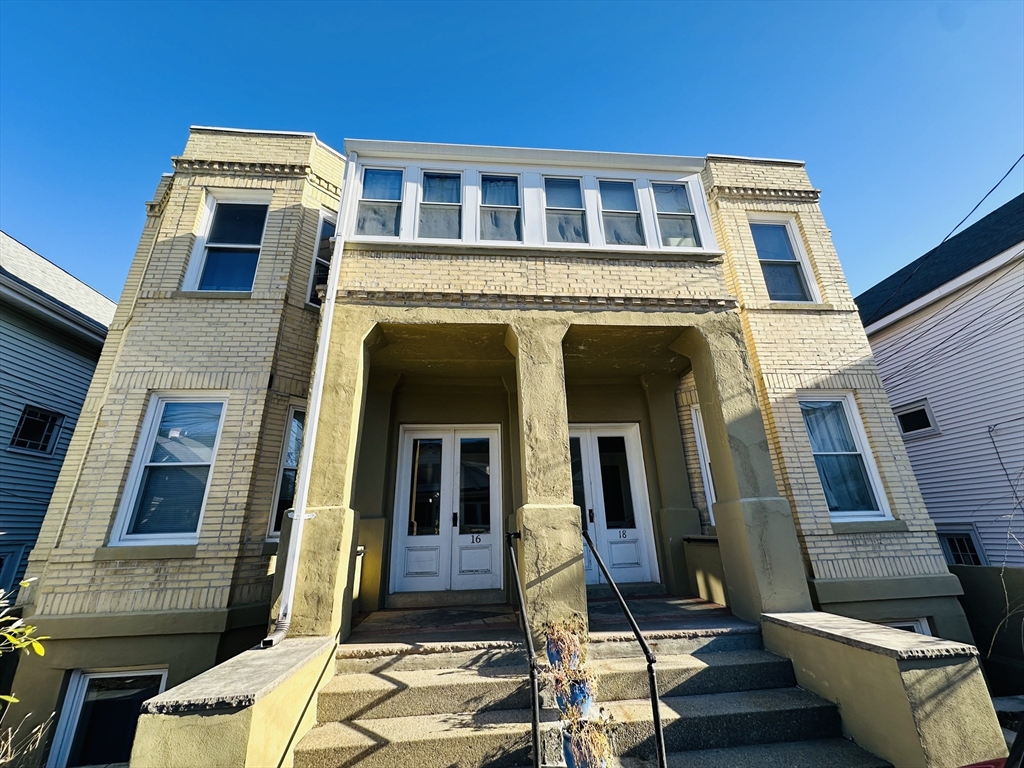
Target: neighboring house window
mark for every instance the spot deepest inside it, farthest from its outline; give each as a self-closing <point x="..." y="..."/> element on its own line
<point x="37" y="430"/>
<point x="848" y="476"/>
<point x="676" y="222"/>
<point x="284" y="497"/>
<point x="380" y="206"/>
<point x="500" y="217"/>
<point x="960" y="545"/>
<point x="167" y="487"/>
<point x="620" y="213"/>
<point x="322" y="257"/>
<point x="915" y="419"/>
<point x="919" y="626"/>
<point x="564" y="212"/>
<point x="441" y="208"/>
<point x="233" y="247"/>
<point x="10" y="559"/>
<point x="783" y="271"/>
<point x="100" y="715"/>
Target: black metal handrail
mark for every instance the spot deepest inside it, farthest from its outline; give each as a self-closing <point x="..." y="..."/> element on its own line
<point x="659" y="732"/>
<point x="530" y="650"/>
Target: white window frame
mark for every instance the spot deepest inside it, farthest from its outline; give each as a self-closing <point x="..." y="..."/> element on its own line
<point x="860" y="439"/>
<point x="960" y="529"/>
<point x="644" y="225"/>
<point x="917" y="405"/>
<point x="480" y="206"/>
<point x="658" y="215"/>
<point x="273" y="535"/>
<point x="589" y="242"/>
<point x="332" y="217"/>
<point x="797" y="243"/>
<point x="461" y="173"/>
<point x="704" y="459"/>
<point x="920" y="626"/>
<point x="150" y="424"/>
<point x="197" y="260"/>
<point x="402" y="207"/>
<point x="71" y="709"/>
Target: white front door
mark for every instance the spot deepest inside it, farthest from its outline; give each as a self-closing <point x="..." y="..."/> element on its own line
<point x="448" y="517"/>
<point x="610" y="487"/>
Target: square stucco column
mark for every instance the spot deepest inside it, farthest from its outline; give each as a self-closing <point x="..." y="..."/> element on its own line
<point x="756" y="533"/>
<point x="551" y="548"/>
<point x="323" y="591"/>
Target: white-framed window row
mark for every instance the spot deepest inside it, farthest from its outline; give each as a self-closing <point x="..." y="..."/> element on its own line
<point x="100" y="714"/>
<point x="227" y="248"/>
<point x="916" y="420"/>
<point x="510" y="206"/>
<point x="850" y="480"/>
<point x="169" y="480"/>
<point x="287" y="470"/>
<point x="324" y="249"/>
<point x="785" y="266"/>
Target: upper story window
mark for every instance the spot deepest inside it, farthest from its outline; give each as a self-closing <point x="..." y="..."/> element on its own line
<point x="783" y="269"/>
<point x="288" y="472"/>
<point x="37" y="430"/>
<point x="676" y="221"/>
<point x="500" y="214"/>
<point x="622" y="225"/>
<point x="380" y="205"/>
<point x="564" y="211"/>
<point x="233" y="247"/>
<point x="322" y="257"/>
<point x="441" y="208"/>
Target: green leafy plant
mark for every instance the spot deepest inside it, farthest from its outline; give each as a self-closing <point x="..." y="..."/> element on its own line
<point x="16" y="634"/>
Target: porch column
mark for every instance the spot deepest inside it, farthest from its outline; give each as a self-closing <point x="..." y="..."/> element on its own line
<point x="551" y="548"/>
<point x="323" y="591"/>
<point x="677" y="517"/>
<point x="756" y="534"/>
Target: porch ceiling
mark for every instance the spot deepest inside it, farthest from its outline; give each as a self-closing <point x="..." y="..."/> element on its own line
<point x="620" y="351"/>
<point x="461" y="350"/>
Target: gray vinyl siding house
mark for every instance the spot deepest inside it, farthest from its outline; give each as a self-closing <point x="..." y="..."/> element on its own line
<point x="52" y="328"/>
<point x="947" y="332"/>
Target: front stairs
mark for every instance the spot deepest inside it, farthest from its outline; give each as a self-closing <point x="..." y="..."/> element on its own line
<point x="725" y="702"/>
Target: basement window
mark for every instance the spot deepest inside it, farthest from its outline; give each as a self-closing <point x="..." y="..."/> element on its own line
<point x="37" y="431"/>
<point x="960" y="545"/>
<point x="100" y="716"/>
<point x="916" y="419"/>
<point x="917" y="626"/>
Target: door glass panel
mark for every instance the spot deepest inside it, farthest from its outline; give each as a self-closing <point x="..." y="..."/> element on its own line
<point x="579" y="497"/>
<point x="425" y="496"/>
<point x="474" y="485"/>
<point x="618" y="495"/>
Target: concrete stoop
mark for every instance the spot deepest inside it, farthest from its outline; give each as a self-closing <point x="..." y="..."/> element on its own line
<point x="725" y="701"/>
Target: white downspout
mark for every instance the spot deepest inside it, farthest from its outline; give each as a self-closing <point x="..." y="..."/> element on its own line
<point x="298" y="514"/>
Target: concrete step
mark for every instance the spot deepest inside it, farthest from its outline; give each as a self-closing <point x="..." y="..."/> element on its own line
<point x="729" y="635"/>
<point x="409" y="657"/>
<point x="820" y="753"/>
<point x="638" y="589"/>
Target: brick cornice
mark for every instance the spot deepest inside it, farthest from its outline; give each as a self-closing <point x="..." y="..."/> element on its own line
<point x="239" y="168"/>
<point x="546" y="301"/>
<point x="765" y="193"/>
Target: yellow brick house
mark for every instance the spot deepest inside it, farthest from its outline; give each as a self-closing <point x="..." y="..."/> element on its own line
<point x="335" y="384"/>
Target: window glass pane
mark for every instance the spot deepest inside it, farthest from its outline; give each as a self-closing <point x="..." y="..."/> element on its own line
<point x="324" y="247"/>
<point x="827" y="426"/>
<point x="381" y="219"/>
<point x="294" y="447"/>
<point x="579" y="496"/>
<point x="238" y="224"/>
<point x="442" y="188"/>
<point x="441" y="221"/>
<point x="914" y="421"/>
<point x="425" y="501"/>
<point x="228" y="269"/>
<point x="563" y="193"/>
<point x="285" y="497"/>
<point x="772" y="242"/>
<point x="784" y="282"/>
<point x="474" y="485"/>
<point x="960" y="550"/>
<point x="500" y="224"/>
<point x="678" y="231"/>
<point x="623" y="229"/>
<point x="845" y="482"/>
<point x="169" y="500"/>
<point x="321" y="273"/>
<point x="109" y="717"/>
<point x="382" y="185"/>
<point x="618" y="495"/>
<point x="617" y="196"/>
<point x="499" y="190"/>
<point x="186" y="433"/>
<point x="671" y="198"/>
<point x="567" y="227"/>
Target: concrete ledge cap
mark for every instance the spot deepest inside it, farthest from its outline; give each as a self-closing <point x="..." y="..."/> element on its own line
<point x="895" y="643"/>
<point x="374" y="650"/>
<point x="241" y="681"/>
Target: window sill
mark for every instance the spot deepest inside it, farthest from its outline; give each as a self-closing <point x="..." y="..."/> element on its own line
<point x="800" y="306"/>
<point x="30" y="452"/>
<point x="211" y="295"/>
<point x="920" y="433"/>
<point x="870" y="526"/>
<point x="153" y="552"/>
<point x="541" y="249"/>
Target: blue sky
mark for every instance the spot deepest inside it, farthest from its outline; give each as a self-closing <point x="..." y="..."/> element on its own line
<point x="906" y="113"/>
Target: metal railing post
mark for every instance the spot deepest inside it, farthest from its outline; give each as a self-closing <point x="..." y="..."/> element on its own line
<point x="530" y="650"/>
